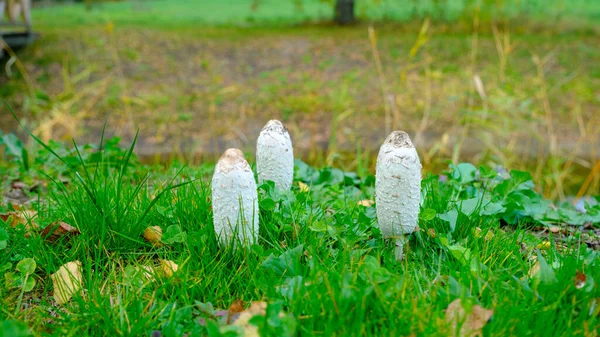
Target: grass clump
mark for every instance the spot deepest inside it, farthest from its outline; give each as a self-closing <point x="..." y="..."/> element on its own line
<point x="320" y="265"/>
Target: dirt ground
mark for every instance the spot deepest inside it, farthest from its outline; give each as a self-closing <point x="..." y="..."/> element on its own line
<point x="499" y="96"/>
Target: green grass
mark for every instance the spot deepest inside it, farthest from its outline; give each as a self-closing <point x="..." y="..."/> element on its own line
<point x="163" y="13"/>
<point x="320" y="257"/>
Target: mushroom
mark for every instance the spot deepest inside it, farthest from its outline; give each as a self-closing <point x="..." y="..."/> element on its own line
<point x="234" y="200"/>
<point x="275" y="155"/>
<point x="398" y="188"/>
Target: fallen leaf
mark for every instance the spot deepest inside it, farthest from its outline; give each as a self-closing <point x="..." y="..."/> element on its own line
<point x="153" y="234"/>
<point x="472" y="323"/>
<point x="431" y="232"/>
<point x="67" y="281"/>
<point x="17" y="218"/>
<point x="534" y="269"/>
<point x="580" y="279"/>
<point x="59" y="229"/>
<point x="168" y="267"/>
<point x="303" y="187"/>
<point x="366" y="203"/>
<point x="235" y="308"/>
<point x="243" y="319"/>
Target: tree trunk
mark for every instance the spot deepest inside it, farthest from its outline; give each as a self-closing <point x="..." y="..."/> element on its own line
<point x="344" y="12"/>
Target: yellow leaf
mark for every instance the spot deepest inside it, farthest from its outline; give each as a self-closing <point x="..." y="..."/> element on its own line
<point x="168" y="267"/>
<point x="153" y="234"/>
<point x="67" y="281"/>
<point x="303" y="186"/>
<point x="470" y="323"/>
<point x="534" y="270"/>
<point x="544" y="245"/>
<point x="366" y="203"/>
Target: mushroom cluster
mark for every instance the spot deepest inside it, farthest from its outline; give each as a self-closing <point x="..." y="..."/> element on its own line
<point x="234" y="192"/>
<point x="235" y="197"/>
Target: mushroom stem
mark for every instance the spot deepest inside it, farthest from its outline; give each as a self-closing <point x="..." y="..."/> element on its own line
<point x="399" y="249"/>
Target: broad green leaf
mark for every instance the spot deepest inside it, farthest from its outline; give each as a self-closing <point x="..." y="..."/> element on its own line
<point x="287" y="264"/>
<point x="173" y="234"/>
<point x="267" y="204"/>
<point x="546" y="273"/>
<point x="428" y="214"/>
<point x="450" y="216"/>
<point x="461" y="253"/>
<point x="26" y="266"/>
<point x="14" y="328"/>
<point x="29" y="284"/>
<point x="464" y="173"/>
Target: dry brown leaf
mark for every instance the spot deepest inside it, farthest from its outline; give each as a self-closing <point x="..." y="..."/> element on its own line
<point x="153" y="234"/>
<point x="243" y="320"/>
<point x="59" y="229"/>
<point x="234" y="308"/>
<point x="580" y="279"/>
<point x="168" y="267"/>
<point x="18" y="218"/>
<point x="67" y="281"/>
<point x="471" y="323"/>
<point x="366" y="203"/>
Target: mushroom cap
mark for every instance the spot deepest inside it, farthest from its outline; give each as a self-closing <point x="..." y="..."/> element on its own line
<point x="399" y="139"/>
<point x="230" y="159"/>
<point x="275" y="125"/>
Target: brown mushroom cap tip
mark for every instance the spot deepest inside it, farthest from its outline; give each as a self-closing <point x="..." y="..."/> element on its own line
<point x="399" y="139"/>
<point x="275" y="125"/>
<point x="232" y="156"/>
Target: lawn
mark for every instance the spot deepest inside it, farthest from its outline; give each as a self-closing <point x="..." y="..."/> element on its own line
<point x="485" y="237"/>
<point x="503" y="114"/>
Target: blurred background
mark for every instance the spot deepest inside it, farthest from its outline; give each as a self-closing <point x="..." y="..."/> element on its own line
<point x="504" y="83"/>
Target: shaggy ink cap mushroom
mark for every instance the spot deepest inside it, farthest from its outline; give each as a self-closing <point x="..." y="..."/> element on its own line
<point x="275" y="155"/>
<point x="234" y="200"/>
<point x="398" y="188"/>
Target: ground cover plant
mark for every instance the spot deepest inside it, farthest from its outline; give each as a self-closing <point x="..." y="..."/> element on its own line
<point x="320" y="266"/>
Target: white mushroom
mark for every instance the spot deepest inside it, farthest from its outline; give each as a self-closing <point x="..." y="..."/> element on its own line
<point x="234" y="200"/>
<point x="397" y="188"/>
<point x="275" y="156"/>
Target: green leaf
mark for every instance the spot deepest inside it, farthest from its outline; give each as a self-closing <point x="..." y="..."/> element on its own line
<point x="5" y="267"/>
<point x="14" y="329"/>
<point x="450" y="216"/>
<point x="287" y="264"/>
<point x="3" y="239"/>
<point x="26" y="266"/>
<point x="428" y="214"/>
<point x="464" y="173"/>
<point x="461" y="253"/>
<point x="13" y="145"/>
<point x="268" y="204"/>
<point x="173" y="234"/>
<point x="546" y="274"/>
<point x="29" y="284"/>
